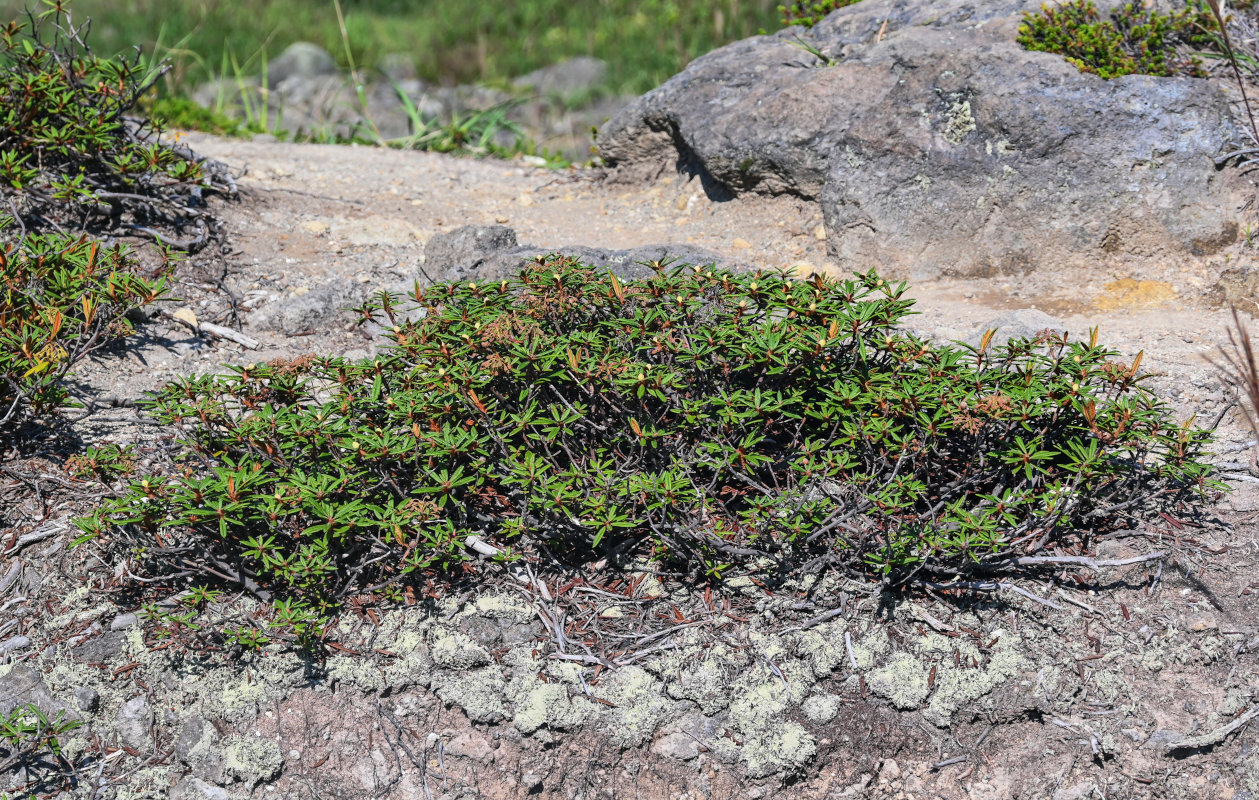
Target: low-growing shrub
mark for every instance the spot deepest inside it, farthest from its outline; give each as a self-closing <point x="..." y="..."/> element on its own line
<point x="1134" y="40"/>
<point x="61" y="298"/>
<point x="701" y="417"/>
<point x="71" y="156"/>
<point x="810" y="12"/>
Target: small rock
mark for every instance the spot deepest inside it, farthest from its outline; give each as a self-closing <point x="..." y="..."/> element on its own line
<point x="470" y="745"/>
<point x="87" y="698"/>
<point x="197" y="746"/>
<point x="573" y="76"/>
<point x="124" y="621"/>
<point x="300" y="60"/>
<point x="186" y="316"/>
<point x="740" y="244"/>
<point x="1024" y="323"/>
<point x="890" y="771"/>
<point x="99" y="649"/>
<point x="314" y="226"/>
<point x="525" y="199"/>
<point x="677" y="746"/>
<point x="1202" y="622"/>
<point x="22" y="685"/>
<point x="819" y="233"/>
<point x="134" y="723"/>
<point x="193" y="788"/>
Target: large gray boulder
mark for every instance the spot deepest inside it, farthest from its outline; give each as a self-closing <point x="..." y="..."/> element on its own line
<point x="937" y="145"/>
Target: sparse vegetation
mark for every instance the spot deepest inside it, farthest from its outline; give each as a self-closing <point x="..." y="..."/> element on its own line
<point x="63" y="298"/>
<point x="72" y="157"/>
<point x="810" y="12"/>
<point x="698" y="417"/>
<point x="1133" y="40"/>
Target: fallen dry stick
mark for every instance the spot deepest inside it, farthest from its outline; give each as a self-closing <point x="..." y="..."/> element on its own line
<point x="1216" y="736"/>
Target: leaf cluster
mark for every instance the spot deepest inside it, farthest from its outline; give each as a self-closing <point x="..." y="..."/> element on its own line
<point x="71" y="154"/>
<point x="1134" y="40"/>
<point x="61" y="298"/>
<point x="27" y="736"/>
<point x="810" y="12"/>
<point x="703" y="417"/>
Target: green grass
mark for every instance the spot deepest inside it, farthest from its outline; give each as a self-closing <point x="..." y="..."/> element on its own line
<point x="644" y="41"/>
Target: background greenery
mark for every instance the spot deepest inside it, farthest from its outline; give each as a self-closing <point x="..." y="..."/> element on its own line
<point x="643" y="41"/>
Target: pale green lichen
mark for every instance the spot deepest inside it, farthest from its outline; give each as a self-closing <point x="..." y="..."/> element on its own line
<point x="706" y="683"/>
<point x="958" y="121"/>
<point x="538" y="703"/>
<point x="783" y="748"/>
<point x="638" y="703"/>
<point x="480" y="693"/>
<point x="251" y="759"/>
<point x="823" y="648"/>
<point x="956" y="686"/>
<point x="868" y="649"/>
<point x="904" y="681"/>
<point x="502" y="607"/>
<point x="455" y="650"/>
<point x="820" y="708"/>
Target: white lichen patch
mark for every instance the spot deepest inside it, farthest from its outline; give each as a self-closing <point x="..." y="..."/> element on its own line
<point x="251" y="759"/>
<point x="705" y="682"/>
<point x="822" y="648"/>
<point x="784" y="748"/>
<point x="455" y="650"/>
<point x="480" y="693"/>
<point x="759" y="700"/>
<point x="958" y="121"/>
<point x="539" y="703"/>
<point x="903" y="680"/>
<point x="638" y="704"/>
<point x="869" y="649"/>
<point x="956" y="686"/>
<point x="502" y="606"/>
<point x="820" y="708"/>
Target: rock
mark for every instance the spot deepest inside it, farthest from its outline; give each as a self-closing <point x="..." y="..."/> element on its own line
<point x="99" y="649"/>
<point x="938" y="145"/>
<point x="314" y="310"/>
<point x="134" y="723"/>
<point x="1201" y="622"/>
<point x="678" y="746"/>
<point x="128" y="620"/>
<point x="490" y="252"/>
<point x="461" y="251"/>
<point x="1023" y="323"/>
<point x="193" y="788"/>
<point x="1237" y="286"/>
<point x="301" y="60"/>
<point x="470" y="745"/>
<point x="575" y="76"/>
<point x="87" y="698"/>
<point x="22" y="685"/>
<point x="197" y="746"/>
<point x="397" y="67"/>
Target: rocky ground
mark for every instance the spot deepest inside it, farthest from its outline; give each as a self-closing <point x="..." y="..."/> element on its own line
<point x="1135" y="680"/>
